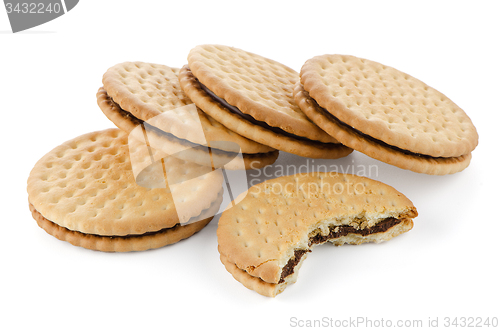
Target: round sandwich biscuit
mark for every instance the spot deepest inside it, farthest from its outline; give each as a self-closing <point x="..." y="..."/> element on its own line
<point x="386" y="114"/>
<point x="85" y="192"/>
<point x="182" y="148"/>
<point x="376" y="149"/>
<point x="252" y="95"/>
<point x="136" y="93"/>
<point x="266" y="236"/>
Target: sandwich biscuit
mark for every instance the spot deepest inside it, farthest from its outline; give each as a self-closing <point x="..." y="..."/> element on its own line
<point x="386" y="114"/>
<point x="266" y="236"/>
<point x="182" y="148"/>
<point x="137" y="93"/>
<point x="85" y="192"/>
<point x="252" y="96"/>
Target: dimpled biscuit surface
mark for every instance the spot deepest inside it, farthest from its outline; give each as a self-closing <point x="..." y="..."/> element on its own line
<point x="274" y="218"/>
<point x="87" y="185"/>
<point x="385" y="153"/>
<point x="257" y="86"/>
<point x="282" y="142"/>
<point x="389" y="105"/>
<point x="147" y="90"/>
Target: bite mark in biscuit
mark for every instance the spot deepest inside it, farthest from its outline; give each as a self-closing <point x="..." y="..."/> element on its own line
<point x="294" y="264"/>
<point x="270" y="231"/>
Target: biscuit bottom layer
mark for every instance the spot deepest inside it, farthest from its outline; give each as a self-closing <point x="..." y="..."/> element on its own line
<point x="335" y="232"/>
<point x="134" y="242"/>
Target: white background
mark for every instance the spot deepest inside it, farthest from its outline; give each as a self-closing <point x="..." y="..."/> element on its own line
<point x="447" y="266"/>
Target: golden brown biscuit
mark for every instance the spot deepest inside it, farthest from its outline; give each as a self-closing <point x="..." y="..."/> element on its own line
<point x="184" y="149"/>
<point x="276" y="223"/>
<point x="376" y="149"/>
<point x="252" y="95"/>
<point x="387" y="114"/>
<point x="150" y="93"/>
<point x="87" y="185"/>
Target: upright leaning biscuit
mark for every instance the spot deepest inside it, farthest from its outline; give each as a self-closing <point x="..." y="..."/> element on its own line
<point x="252" y="96"/>
<point x="386" y="114"/>
<point x="138" y="93"/>
<point x="85" y="192"/>
<point x="265" y="237"/>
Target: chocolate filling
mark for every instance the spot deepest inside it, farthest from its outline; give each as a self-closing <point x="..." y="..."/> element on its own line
<point x="148" y="127"/>
<point x="367" y="137"/>
<point x="335" y="232"/>
<point x="342" y="230"/>
<point x="288" y="268"/>
<point x="249" y="118"/>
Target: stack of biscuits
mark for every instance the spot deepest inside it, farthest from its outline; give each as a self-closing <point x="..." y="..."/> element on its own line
<point x="157" y="178"/>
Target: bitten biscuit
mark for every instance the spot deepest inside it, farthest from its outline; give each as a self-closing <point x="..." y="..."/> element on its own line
<point x="87" y="192"/>
<point x="386" y="114"/>
<point x="252" y="96"/>
<point x="265" y="237"/>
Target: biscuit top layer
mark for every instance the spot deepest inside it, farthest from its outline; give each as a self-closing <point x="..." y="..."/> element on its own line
<point x="275" y="218"/>
<point x="87" y="185"/>
<point x="147" y="90"/>
<point x="257" y="86"/>
<point x="389" y="105"/>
